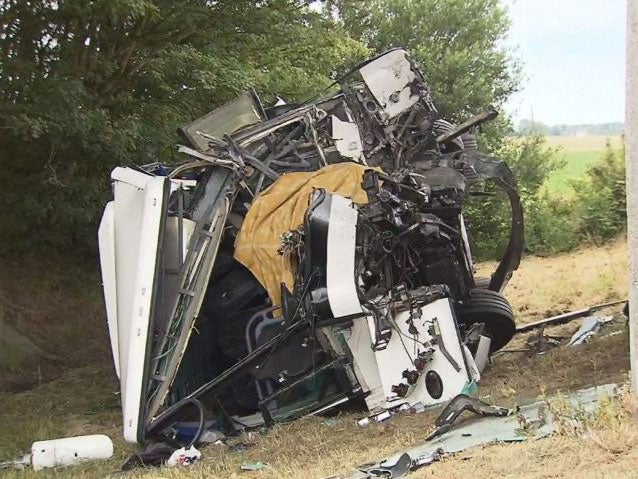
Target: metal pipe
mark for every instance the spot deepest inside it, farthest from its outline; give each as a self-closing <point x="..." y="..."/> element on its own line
<point x="566" y="317"/>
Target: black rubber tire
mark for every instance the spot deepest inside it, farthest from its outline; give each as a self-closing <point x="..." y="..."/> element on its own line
<point x="493" y="310"/>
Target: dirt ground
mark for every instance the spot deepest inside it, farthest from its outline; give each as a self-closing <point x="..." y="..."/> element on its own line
<point x="84" y="400"/>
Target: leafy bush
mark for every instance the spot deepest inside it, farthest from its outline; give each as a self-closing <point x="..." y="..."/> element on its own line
<point x="550" y="225"/>
<point x="553" y="224"/>
<point x="601" y="202"/>
<point x="86" y="86"/>
<point x="489" y="214"/>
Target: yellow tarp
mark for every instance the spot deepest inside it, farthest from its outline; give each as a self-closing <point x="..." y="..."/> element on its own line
<point x="281" y="208"/>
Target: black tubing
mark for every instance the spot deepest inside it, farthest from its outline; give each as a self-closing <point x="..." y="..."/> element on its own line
<point x="202" y="421"/>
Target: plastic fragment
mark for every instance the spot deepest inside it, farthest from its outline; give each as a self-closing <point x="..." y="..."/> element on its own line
<point x="253" y="466"/>
<point x="184" y="457"/>
<point x="470" y="388"/>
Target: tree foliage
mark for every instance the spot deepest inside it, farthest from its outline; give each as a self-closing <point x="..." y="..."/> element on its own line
<point x="89" y="84"/>
<point x="86" y="85"/>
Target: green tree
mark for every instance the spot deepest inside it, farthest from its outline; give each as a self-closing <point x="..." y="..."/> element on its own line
<point x="89" y="84"/>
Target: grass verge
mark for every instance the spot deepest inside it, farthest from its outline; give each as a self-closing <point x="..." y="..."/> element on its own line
<point x="83" y="400"/>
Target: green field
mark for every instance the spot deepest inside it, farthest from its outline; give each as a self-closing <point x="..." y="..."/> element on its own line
<point x="578" y="152"/>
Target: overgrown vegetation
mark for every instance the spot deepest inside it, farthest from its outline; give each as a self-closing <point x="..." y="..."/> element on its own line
<point x="83" y="399"/>
<point x="595" y="213"/>
<point x="86" y="86"/>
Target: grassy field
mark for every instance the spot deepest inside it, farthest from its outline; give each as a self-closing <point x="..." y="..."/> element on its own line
<point x="578" y="153"/>
<point x="84" y="400"/>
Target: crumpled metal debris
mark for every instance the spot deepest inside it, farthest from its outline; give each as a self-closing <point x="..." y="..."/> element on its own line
<point x="253" y="466"/>
<point x="589" y="328"/>
<point x="462" y="403"/>
<point x="403" y="465"/>
<point x="534" y="420"/>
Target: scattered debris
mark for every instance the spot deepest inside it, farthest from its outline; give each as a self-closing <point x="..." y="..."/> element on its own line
<point x="331" y="421"/>
<point x="385" y="414"/>
<point x="155" y="455"/>
<point x="417" y="408"/>
<point x="533" y="420"/>
<point x="184" y="457"/>
<point x="403" y="465"/>
<point x="590" y="327"/>
<point x="253" y="466"/>
<point x="239" y="447"/>
<point x="566" y="317"/>
<point x="251" y="438"/>
<point x="64" y="452"/>
<point x="540" y="342"/>
<point x="398" y="469"/>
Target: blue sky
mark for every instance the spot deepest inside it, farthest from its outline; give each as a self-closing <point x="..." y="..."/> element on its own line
<point x="573" y="56"/>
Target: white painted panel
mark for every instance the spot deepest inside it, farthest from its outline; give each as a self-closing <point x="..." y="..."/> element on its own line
<point x="130" y="176"/>
<point x="365" y="363"/>
<point x="142" y="299"/>
<point x="388" y="79"/>
<point x="340" y="280"/>
<point x="128" y="208"/>
<point x="453" y="381"/>
<point x="106" y="240"/>
<point x="128" y="251"/>
<point x="347" y="138"/>
<point x="400" y="353"/>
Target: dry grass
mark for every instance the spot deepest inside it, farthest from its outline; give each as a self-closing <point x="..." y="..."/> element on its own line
<point x="603" y="445"/>
<point x="544" y="287"/>
<point x="82" y="401"/>
<point x="55" y="302"/>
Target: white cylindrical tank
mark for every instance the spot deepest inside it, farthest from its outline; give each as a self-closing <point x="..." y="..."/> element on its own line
<point x="70" y="450"/>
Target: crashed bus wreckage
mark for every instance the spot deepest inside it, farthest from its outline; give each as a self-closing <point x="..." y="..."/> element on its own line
<point x="303" y="256"/>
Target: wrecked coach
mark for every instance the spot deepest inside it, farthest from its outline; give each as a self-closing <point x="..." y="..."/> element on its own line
<point x="303" y="256"/>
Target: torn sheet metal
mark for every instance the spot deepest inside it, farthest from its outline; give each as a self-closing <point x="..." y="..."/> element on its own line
<point x="347" y="138"/>
<point x="457" y="406"/>
<point x="389" y="79"/>
<point x="589" y="328"/>
<point x="531" y="421"/>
